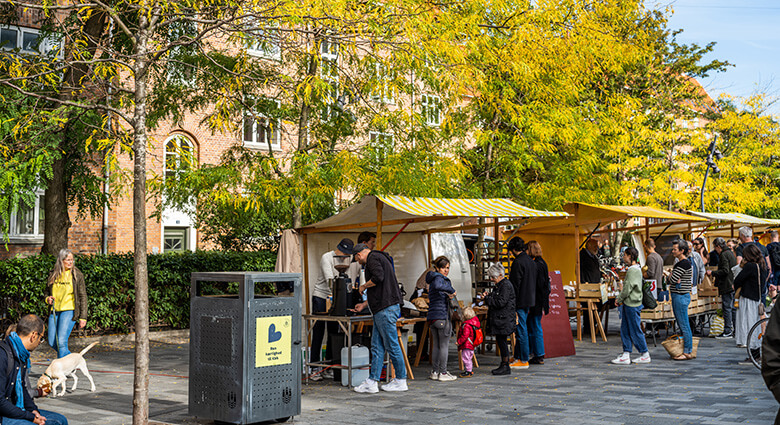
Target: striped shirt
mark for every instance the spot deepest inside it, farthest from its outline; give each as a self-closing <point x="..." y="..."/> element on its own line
<point x="682" y="277"/>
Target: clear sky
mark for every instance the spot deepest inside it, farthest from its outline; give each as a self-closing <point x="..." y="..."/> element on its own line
<point x="747" y="33"/>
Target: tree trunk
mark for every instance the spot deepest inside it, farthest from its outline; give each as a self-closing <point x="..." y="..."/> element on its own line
<point x="141" y="371"/>
<point x="57" y="222"/>
<point x="55" y="207"/>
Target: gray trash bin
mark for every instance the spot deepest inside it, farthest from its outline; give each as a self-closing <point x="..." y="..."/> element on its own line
<point x="245" y="348"/>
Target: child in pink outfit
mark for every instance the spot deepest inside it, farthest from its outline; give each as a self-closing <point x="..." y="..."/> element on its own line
<point x="466" y="341"/>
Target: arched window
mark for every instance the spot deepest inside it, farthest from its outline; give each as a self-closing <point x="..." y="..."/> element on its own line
<point x="179" y="155"/>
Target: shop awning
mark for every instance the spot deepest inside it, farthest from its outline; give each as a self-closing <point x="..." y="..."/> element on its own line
<point x="421" y="214"/>
<point x="737" y="218"/>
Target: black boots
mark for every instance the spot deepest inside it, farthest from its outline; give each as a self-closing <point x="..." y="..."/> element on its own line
<point x="503" y="368"/>
<point x="536" y="360"/>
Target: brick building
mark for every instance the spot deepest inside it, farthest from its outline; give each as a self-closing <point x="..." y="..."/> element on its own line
<point x="175" y="230"/>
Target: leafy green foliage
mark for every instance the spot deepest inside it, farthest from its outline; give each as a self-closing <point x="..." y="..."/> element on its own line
<point x="109" y="280"/>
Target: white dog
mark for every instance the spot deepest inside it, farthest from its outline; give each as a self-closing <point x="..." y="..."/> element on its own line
<point x="59" y="370"/>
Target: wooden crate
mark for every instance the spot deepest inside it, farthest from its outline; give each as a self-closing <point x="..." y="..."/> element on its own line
<point x="651" y="314"/>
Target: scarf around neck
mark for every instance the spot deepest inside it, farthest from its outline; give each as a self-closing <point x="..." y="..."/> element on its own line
<point x="24" y="357"/>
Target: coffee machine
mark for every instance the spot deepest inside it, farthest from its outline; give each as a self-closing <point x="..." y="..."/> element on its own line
<point x="343" y="291"/>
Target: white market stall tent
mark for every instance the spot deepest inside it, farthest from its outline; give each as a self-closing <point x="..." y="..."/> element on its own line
<point x="413" y="231"/>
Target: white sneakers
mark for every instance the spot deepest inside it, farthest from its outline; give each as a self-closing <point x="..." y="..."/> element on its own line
<point x="446" y="376"/>
<point x="625" y="358"/>
<point x="370" y="386"/>
<point x="396" y="385"/>
<point x="434" y="376"/>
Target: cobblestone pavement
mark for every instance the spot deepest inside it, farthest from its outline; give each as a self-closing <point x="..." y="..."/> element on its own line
<point x="582" y="389"/>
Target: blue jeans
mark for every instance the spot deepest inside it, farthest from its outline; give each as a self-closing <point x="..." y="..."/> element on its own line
<point x="680" y="308"/>
<point x="631" y="329"/>
<point x="51" y="419"/>
<point x="522" y="349"/>
<point x="385" y="338"/>
<point x="729" y="314"/>
<point x="535" y="335"/>
<point x="60" y="326"/>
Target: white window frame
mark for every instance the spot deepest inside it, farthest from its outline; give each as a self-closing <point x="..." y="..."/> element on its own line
<point x="177" y="153"/>
<point x="263" y="48"/>
<point x="37" y="233"/>
<point x="44" y="46"/>
<point x="273" y="123"/>
<point x="428" y="104"/>
<point x="329" y="53"/>
<point x="383" y="92"/>
<point x="374" y="135"/>
<point x="184" y="76"/>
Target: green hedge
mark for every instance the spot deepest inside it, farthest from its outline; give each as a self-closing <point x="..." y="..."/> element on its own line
<point x="110" y="287"/>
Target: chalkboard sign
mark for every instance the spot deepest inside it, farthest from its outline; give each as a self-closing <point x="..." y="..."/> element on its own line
<point x="558" y="339"/>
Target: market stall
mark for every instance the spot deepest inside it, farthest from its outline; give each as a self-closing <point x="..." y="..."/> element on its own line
<point x="562" y="240"/>
<point x="413" y="231"/>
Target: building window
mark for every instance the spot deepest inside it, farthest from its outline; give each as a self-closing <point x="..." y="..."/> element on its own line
<point x="431" y="109"/>
<point x="179" y="155"/>
<point x="329" y="72"/>
<point x="380" y="146"/>
<point x="175" y="239"/>
<point x="260" y="130"/>
<point x="383" y="92"/>
<point x="27" y="221"/>
<point x="263" y="42"/>
<point x="27" y="40"/>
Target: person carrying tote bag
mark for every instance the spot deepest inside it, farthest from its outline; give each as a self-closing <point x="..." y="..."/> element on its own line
<point x="748" y="295"/>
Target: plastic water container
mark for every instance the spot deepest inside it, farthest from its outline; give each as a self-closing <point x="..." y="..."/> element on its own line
<point x="360" y="361"/>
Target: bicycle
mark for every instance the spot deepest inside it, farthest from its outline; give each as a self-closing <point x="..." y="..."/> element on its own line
<point x="755" y="354"/>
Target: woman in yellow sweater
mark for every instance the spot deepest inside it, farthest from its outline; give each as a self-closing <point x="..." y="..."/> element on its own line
<point x="68" y="298"/>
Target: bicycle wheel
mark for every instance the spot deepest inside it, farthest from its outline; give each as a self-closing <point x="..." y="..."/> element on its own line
<point x="758" y="329"/>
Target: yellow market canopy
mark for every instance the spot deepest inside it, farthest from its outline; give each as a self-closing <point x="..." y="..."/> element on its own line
<point x="391" y="213"/>
<point x="590" y="217"/>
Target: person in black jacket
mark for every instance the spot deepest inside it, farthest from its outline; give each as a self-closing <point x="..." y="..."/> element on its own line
<point x="523" y="277"/>
<point x="384" y="301"/>
<point x="748" y="286"/>
<point x="541" y="307"/>
<point x="16" y="405"/>
<point x="590" y="271"/>
<point x="724" y="280"/>
<point x="501" y="314"/>
<point x="770" y="358"/>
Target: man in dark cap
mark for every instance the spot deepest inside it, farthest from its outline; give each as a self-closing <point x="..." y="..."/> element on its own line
<point x="523" y="278"/>
<point x="384" y="301"/>
<point x="323" y="290"/>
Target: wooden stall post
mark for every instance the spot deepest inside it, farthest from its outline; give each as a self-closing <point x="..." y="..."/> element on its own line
<point x="306" y="272"/>
<point x="379" y="206"/>
<point x="497" y="254"/>
<point x="430" y="251"/>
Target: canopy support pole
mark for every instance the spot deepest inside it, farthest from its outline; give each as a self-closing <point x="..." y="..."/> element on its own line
<point x="395" y="236"/>
<point x="306" y="272"/>
<point x="379" y="206"/>
<point x="577" y="250"/>
<point x="497" y="248"/>
<point x="430" y="251"/>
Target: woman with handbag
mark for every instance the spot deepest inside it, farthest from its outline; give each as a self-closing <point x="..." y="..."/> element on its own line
<point x="747" y="287"/>
<point x="68" y="300"/>
<point x="629" y="302"/>
<point x="440" y="291"/>
<point x="680" y="282"/>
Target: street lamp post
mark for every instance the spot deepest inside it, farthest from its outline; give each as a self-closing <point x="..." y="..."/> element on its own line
<point x="711" y="157"/>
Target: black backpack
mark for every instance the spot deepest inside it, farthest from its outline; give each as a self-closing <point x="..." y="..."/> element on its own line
<point x="774" y="255"/>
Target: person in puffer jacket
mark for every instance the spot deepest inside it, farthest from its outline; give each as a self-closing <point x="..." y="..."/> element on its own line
<point x="466" y="341"/>
<point x="440" y="291"/>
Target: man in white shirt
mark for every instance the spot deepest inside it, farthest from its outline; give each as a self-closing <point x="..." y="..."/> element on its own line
<point x="323" y="290"/>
